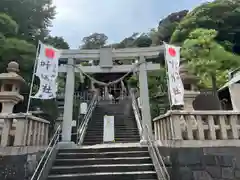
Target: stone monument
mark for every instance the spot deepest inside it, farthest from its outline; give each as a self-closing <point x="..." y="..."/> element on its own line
<point x="10" y="89"/>
<point x="190" y="88"/>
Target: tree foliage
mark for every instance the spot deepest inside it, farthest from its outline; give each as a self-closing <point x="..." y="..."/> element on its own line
<point x="220" y="15"/>
<point x="8" y="26"/>
<point x="207" y="58"/>
<point x="32" y="16"/>
<point x="12" y="48"/>
<point x="57" y="42"/>
<point x="22" y="24"/>
<point x="94" y="41"/>
<point x="166" y="27"/>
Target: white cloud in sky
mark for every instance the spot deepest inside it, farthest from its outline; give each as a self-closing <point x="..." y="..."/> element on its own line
<point x="76" y="19"/>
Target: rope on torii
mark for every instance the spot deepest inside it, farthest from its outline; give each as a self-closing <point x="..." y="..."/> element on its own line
<point x="111" y="82"/>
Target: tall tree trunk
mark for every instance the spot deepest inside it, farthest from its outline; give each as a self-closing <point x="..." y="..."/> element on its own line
<point x="214" y="84"/>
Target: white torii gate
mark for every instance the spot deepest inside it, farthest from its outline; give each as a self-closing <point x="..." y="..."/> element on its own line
<point x="106" y="56"/>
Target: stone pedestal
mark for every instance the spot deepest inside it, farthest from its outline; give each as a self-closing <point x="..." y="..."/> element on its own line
<point x="189" y="97"/>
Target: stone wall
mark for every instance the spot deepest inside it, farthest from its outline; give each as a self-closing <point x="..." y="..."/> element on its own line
<point x="19" y="163"/>
<point x="211" y="163"/>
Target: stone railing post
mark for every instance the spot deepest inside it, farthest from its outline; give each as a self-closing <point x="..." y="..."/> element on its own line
<point x="6" y="131"/>
<point x="21" y="133"/>
<point x="197" y="125"/>
<point x="30" y="130"/>
<point x="38" y="131"/>
<point x="46" y="134"/>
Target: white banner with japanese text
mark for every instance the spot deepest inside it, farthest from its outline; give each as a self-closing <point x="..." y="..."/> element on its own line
<point x="175" y="85"/>
<point x="47" y="63"/>
<point x="47" y="71"/>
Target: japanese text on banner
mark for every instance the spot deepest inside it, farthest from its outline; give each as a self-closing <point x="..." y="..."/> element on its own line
<point x="47" y="71"/>
<point x="48" y="62"/>
<point x="47" y="90"/>
<point x="175" y="84"/>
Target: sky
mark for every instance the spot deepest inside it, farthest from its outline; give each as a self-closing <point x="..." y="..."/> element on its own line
<point x="117" y="19"/>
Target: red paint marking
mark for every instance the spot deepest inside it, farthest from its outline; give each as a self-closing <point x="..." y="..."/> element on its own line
<point x="172" y="52"/>
<point x="49" y="53"/>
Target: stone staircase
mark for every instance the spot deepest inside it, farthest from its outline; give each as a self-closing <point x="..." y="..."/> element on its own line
<point x="103" y="163"/>
<point x="124" y="121"/>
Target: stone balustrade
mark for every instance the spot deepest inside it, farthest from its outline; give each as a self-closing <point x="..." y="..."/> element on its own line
<point x="23" y="129"/>
<point x="197" y="125"/>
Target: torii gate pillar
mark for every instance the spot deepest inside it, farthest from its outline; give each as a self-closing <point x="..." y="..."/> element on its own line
<point x="144" y="98"/>
<point x="68" y="104"/>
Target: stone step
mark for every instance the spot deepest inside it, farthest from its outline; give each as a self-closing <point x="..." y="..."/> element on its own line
<point x="124" y="139"/>
<point x="92" y="161"/>
<point x="117" y="135"/>
<point x="117" y="131"/>
<point x="97" y="138"/>
<point x="116" y="123"/>
<point x="103" y="154"/>
<point x="104" y="149"/>
<point x="136" y="175"/>
<point x="117" y="128"/>
<point x="101" y="168"/>
<point x="90" y="143"/>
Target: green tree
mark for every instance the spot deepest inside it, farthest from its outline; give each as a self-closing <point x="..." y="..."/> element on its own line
<point x="143" y="40"/>
<point x="207" y="58"/>
<point x="94" y="41"/>
<point x="57" y="42"/>
<point x="33" y="17"/>
<point x="12" y="48"/>
<point x="221" y="15"/>
<point x="8" y="26"/>
<point x="128" y="41"/>
<point x="166" y="27"/>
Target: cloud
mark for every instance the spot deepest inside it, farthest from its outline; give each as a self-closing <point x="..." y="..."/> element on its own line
<point x="76" y="19"/>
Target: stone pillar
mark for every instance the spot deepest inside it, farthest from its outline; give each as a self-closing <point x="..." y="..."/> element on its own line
<point x="144" y="97"/>
<point x="68" y="104"/>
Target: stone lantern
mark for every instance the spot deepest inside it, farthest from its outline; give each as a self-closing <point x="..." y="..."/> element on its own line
<point x="10" y="88"/>
<point x="190" y="89"/>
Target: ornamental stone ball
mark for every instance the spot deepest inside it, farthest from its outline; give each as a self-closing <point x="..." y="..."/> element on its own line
<point x="13" y="67"/>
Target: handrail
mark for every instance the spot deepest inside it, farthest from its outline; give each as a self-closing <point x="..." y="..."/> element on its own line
<point x="55" y="138"/>
<point x="160" y="167"/>
<point x="157" y="159"/>
<point x="83" y="126"/>
<point x="137" y="113"/>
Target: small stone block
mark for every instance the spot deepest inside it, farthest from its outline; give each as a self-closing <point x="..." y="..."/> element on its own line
<point x="227" y="173"/>
<point x="201" y="175"/>
<point x="225" y="161"/>
<point x="237" y="174"/>
<point x="214" y="172"/>
<point x="189" y="156"/>
<point x="185" y="173"/>
<point x="209" y="160"/>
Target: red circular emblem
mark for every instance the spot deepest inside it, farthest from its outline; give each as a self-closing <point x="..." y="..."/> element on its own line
<point x="172" y="52"/>
<point x="49" y="53"/>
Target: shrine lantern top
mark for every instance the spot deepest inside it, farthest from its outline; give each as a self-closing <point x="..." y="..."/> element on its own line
<point x="11" y="81"/>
